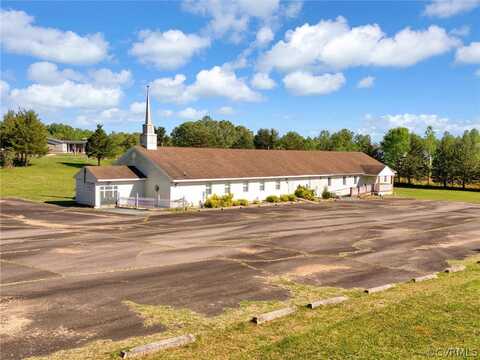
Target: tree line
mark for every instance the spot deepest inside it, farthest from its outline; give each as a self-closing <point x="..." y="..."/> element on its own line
<point x="449" y="160"/>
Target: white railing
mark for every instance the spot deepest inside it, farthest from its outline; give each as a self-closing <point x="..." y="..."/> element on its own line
<point x="383" y="187"/>
<point x="150" y="203"/>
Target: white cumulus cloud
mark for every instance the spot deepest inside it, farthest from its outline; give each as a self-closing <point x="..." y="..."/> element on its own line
<point x="109" y="78"/>
<point x="468" y="54"/>
<point x="168" y="50"/>
<point x="137" y="107"/>
<point x="334" y="44"/>
<point x="366" y="82"/>
<point x="262" y="81"/>
<point x="170" y="89"/>
<point x="65" y="95"/>
<point x="305" y="83"/>
<point x="264" y="36"/>
<point x="231" y="18"/>
<point x="4" y="88"/>
<point x="21" y="36"/>
<point x="112" y="115"/>
<point x="215" y="82"/>
<point x="45" y="72"/>
<point x="448" y="8"/>
<point x="377" y="126"/>
<point x="192" y="114"/>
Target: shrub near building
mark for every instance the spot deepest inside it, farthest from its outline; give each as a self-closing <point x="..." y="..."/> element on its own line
<point x="305" y="193"/>
<point x="216" y="201"/>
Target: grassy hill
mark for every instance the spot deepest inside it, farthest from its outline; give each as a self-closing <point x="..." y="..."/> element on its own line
<point x="47" y="179"/>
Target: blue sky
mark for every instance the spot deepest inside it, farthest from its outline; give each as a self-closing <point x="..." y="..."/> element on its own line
<point x="302" y="66"/>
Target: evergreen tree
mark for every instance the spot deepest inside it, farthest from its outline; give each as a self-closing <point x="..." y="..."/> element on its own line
<point x="100" y="145"/>
<point x="415" y="163"/>
<point x="467" y="164"/>
<point x="266" y="139"/>
<point x="443" y="165"/>
<point x="162" y="138"/>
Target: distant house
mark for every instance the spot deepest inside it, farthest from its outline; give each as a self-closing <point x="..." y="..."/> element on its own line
<point x="177" y="175"/>
<point x="66" y="146"/>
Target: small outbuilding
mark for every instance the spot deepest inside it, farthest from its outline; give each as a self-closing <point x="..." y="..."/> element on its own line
<point x="102" y="186"/>
<point x="57" y="146"/>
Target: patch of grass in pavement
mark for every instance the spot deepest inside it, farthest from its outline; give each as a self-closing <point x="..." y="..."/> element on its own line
<point x="47" y="179"/>
<point x="406" y="322"/>
<point x="180" y="321"/>
<point x="438" y="194"/>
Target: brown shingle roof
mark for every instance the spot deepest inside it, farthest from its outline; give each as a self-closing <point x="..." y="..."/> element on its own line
<point x="182" y="163"/>
<point x="113" y="172"/>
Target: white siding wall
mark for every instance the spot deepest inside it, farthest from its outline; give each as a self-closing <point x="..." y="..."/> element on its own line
<point x="85" y="188"/>
<point x="195" y="192"/>
<point x="154" y="175"/>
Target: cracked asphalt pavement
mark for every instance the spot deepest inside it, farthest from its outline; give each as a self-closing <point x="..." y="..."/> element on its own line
<point x="66" y="272"/>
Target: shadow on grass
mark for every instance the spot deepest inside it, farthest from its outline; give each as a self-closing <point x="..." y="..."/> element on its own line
<point x="433" y="187"/>
<point x="75" y="165"/>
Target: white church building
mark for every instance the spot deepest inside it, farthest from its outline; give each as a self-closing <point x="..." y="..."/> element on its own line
<point x="176" y="176"/>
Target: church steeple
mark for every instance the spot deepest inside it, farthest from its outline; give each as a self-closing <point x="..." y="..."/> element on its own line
<point x="148" y="138"/>
<point x="148" y="117"/>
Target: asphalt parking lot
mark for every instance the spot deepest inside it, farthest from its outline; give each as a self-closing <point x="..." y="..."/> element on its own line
<point x="66" y="272"/>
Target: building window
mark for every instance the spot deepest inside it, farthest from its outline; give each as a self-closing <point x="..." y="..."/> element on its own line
<point x="385" y="179"/>
<point x="245" y="186"/>
<point x="262" y="185"/>
<point x="208" y="189"/>
<point x="227" y="188"/>
<point x="277" y="185"/>
<point x="344" y="180"/>
<point x="329" y="181"/>
<point x="108" y="194"/>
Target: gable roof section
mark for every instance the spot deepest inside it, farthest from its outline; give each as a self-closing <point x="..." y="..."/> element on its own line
<point x="115" y="172"/>
<point x="58" y="141"/>
<point x="183" y="163"/>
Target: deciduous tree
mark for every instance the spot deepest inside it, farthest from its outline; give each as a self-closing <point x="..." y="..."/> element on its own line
<point x="292" y="141"/>
<point x="23" y="133"/>
<point x="430" y="142"/>
<point x="395" y="146"/>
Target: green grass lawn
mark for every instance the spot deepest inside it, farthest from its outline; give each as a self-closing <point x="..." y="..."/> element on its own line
<point x="47" y="179"/>
<point x="439" y="194"/>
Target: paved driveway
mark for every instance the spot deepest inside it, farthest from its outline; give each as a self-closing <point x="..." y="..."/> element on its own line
<point x="65" y="272"/>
